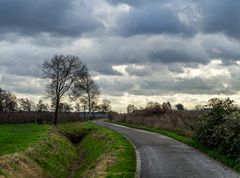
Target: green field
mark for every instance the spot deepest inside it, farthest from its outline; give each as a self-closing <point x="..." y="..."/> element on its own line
<point x="17" y="137"/>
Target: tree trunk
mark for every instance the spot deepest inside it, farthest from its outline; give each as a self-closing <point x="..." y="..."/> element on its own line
<point x="90" y="112"/>
<point x="55" y="121"/>
<point x="89" y="107"/>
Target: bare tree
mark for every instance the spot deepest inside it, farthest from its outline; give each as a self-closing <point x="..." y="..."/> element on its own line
<point x="179" y="106"/>
<point x="61" y="71"/>
<point x="86" y="90"/>
<point x="131" y="108"/>
<point x="77" y="107"/>
<point x="65" y="107"/>
<point x="105" y="106"/>
<point x="26" y="105"/>
<point x="42" y="107"/>
<point x="8" y="101"/>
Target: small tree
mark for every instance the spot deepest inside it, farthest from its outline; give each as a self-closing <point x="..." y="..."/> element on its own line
<point x="65" y="107"/>
<point x="199" y="107"/>
<point x="179" y="107"/>
<point x="77" y="107"/>
<point x="166" y="106"/>
<point x="61" y="71"/>
<point x="42" y="107"/>
<point x="8" y="101"/>
<point x="26" y="105"/>
<point x="86" y="90"/>
<point x="105" y="106"/>
<point x="131" y="108"/>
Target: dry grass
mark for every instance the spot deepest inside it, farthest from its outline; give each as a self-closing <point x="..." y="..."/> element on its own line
<point x="20" y="166"/>
<point x="178" y="121"/>
<point x="48" y="157"/>
<point x="100" y="170"/>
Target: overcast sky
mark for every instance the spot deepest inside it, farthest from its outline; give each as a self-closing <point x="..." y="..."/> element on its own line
<point x="184" y="51"/>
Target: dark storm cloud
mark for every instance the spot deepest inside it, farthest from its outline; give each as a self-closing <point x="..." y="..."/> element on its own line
<point x="221" y="16"/>
<point x="58" y="17"/>
<point x="175" y="34"/>
<point x="161" y="16"/>
<point x="186" y="86"/>
<point x="152" y="19"/>
<point x="176" y="55"/>
<point x="136" y="2"/>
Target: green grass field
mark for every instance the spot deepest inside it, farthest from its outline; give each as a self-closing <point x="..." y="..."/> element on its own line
<point x="17" y="137"/>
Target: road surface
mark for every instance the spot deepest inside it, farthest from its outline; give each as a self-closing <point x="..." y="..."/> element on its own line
<point x="162" y="157"/>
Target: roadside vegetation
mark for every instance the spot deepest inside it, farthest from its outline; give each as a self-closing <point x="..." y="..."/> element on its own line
<point x="80" y="149"/>
<point x="106" y="153"/>
<point x="215" y="130"/>
<point x="219" y="129"/>
<point x="47" y="156"/>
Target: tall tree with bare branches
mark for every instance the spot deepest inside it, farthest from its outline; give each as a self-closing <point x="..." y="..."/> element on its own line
<point x="61" y="71"/>
<point x="86" y="91"/>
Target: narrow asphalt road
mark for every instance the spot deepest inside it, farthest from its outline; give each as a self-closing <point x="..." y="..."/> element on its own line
<point x="163" y="157"/>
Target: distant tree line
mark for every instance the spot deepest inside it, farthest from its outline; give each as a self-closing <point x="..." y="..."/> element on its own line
<point x="10" y="103"/>
<point x="155" y="108"/>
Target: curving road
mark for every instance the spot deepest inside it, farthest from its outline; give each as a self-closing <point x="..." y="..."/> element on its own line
<point x="162" y="157"/>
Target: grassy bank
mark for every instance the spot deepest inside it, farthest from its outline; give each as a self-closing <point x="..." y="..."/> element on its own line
<point x="189" y="141"/>
<point x="80" y="149"/>
<point x="15" y="138"/>
<point x="105" y="152"/>
<point x="35" y="151"/>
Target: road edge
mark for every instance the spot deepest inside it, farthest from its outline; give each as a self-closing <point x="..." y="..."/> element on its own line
<point x="137" y="153"/>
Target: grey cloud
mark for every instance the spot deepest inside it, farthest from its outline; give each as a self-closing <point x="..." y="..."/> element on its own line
<point x="220" y="46"/>
<point x="176" y="68"/>
<point x="104" y="69"/>
<point x="185" y="86"/>
<point x="221" y="16"/>
<point x="136" y="2"/>
<point x="24" y="85"/>
<point x="178" y="55"/>
<point x="141" y="72"/>
<point x="57" y="17"/>
<point x="115" y="86"/>
<point x="152" y="19"/>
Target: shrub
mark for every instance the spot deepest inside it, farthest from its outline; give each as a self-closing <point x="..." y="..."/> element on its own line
<point x="219" y="128"/>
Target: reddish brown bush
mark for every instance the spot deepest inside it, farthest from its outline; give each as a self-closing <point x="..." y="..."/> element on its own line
<point x="180" y="121"/>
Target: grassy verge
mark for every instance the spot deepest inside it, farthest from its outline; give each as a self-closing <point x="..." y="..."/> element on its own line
<point x="30" y="150"/>
<point x="189" y="141"/>
<point x="34" y="151"/>
<point x="106" y="152"/>
<point x="17" y="137"/>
